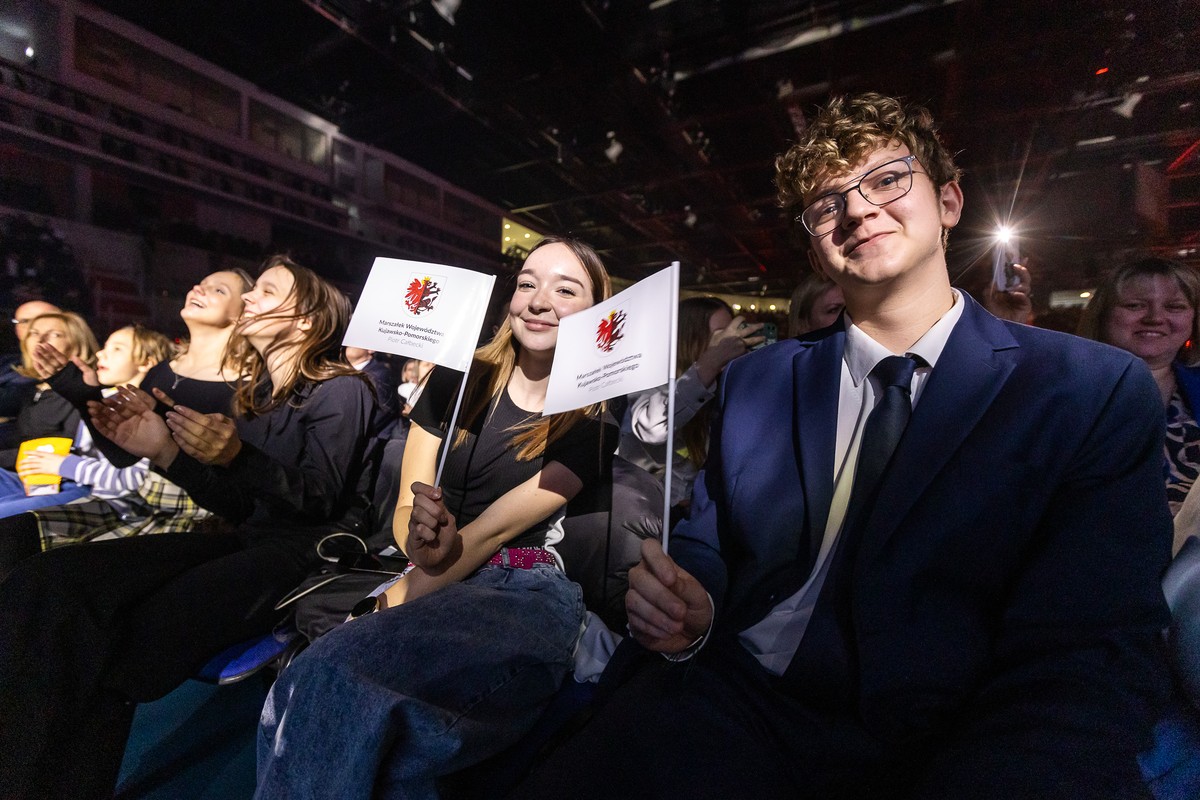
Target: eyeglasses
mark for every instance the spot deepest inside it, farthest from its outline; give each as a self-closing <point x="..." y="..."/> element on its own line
<point x="880" y="186"/>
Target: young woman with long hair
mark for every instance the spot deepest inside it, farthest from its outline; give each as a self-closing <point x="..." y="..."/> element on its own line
<point x="202" y="377"/>
<point x="464" y="651"/>
<point x="92" y="630"/>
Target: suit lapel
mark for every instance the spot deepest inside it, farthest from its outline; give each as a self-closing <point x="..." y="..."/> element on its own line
<point x="816" y="373"/>
<point x="977" y="360"/>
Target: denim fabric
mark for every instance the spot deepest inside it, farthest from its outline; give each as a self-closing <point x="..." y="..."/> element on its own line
<point x="385" y="704"/>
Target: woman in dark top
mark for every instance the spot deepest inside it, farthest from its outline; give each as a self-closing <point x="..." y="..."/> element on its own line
<point x="472" y="642"/>
<point x="91" y="630"/>
<point x="201" y="377"/>
<point x="44" y="412"/>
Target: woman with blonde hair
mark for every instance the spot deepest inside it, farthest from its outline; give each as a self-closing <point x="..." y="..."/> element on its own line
<point x="44" y="412"/>
<point x="457" y="658"/>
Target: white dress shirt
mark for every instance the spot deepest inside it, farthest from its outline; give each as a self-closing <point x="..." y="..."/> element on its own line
<point x="774" y="639"/>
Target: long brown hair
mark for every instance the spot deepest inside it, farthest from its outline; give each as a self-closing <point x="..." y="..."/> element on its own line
<point x="694" y="336"/>
<point x="493" y="366"/>
<point x="318" y="357"/>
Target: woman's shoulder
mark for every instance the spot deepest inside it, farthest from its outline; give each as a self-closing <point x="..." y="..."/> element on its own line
<point x="337" y="389"/>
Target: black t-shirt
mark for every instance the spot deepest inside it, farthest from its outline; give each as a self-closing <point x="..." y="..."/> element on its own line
<point x="485" y="466"/>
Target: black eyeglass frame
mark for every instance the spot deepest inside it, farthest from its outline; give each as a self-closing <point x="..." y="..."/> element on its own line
<point x="845" y="193"/>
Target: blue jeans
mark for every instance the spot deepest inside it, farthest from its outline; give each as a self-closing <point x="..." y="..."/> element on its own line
<point x="384" y="705"/>
<point x="13" y="500"/>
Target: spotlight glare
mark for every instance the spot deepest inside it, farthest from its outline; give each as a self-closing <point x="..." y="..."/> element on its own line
<point x="1004" y="234"/>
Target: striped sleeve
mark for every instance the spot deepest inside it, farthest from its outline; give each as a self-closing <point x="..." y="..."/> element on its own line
<point x="105" y="479"/>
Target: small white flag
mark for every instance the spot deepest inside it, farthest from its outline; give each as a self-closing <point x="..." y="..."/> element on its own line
<point x="432" y="312"/>
<point x="620" y="345"/>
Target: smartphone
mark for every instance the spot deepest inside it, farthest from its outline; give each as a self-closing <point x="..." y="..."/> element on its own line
<point x="369" y="562"/>
<point x="1004" y="256"/>
<point x="770" y="333"/>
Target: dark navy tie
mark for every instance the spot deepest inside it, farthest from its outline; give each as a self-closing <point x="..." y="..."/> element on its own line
<point x="885" y="425"/>
<point x="824" y="668"/>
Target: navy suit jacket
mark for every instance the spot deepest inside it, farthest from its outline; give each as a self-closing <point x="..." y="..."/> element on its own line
<point x="1005" y="596"/>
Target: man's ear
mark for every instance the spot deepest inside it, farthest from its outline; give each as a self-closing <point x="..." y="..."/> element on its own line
<point x="950" y="199"/>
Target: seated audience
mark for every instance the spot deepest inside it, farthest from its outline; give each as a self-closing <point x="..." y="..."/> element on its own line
<point x="923" y="558"/>
<point x="43" y="411"/>
<point x="90" y="631"/>
<point x="710" y="336"/>
<point x="459" y="656"/>
<point x="202" y="377"/>
<point x="126" y="357"/>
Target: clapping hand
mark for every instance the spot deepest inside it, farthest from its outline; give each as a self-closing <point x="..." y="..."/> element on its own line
<point x="48" y="362"/>
<point x="208" y="438"/>
<point x="128" y="419"/>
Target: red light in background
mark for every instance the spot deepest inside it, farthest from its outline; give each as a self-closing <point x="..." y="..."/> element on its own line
<point x="1102" y="70"/>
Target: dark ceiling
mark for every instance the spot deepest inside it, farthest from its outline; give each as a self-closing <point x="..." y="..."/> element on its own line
<point x="517" y="101"/>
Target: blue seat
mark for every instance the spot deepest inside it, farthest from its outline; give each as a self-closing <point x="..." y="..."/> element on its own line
<point x="244" y="659"/>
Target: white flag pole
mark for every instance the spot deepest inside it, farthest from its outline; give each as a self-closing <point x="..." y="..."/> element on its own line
<point x="673" y="314"/>
<point x="449" y="442"/>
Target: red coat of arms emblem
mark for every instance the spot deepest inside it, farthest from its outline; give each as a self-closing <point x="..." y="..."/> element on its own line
<point x="610" y="331"/>
<point x="421" y="295"/>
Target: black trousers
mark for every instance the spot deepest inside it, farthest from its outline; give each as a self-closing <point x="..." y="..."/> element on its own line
<point x="88" y="631"/>
<point x="720" y="727"/>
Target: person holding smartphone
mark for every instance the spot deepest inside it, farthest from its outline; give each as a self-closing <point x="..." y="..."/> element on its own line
<point x="710" y="336"/>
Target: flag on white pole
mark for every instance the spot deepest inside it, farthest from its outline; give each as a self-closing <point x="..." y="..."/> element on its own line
<point x="432" y="312"/>
<point x="618" y="346"/>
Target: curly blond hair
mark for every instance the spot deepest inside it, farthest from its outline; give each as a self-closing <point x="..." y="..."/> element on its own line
<point x="849" y="128"/>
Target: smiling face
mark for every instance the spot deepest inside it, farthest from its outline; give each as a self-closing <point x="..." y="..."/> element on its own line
<point x="267" y="317"/>
<point x="114" y="364"/>
<point x="1151" y="319"/>
<point x="876" y="245"/>
<point x="553" y="284"/>
<point x="215" y="301"/>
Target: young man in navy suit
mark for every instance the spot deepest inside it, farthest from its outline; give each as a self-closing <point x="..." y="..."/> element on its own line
<point x="923" y="558"/>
